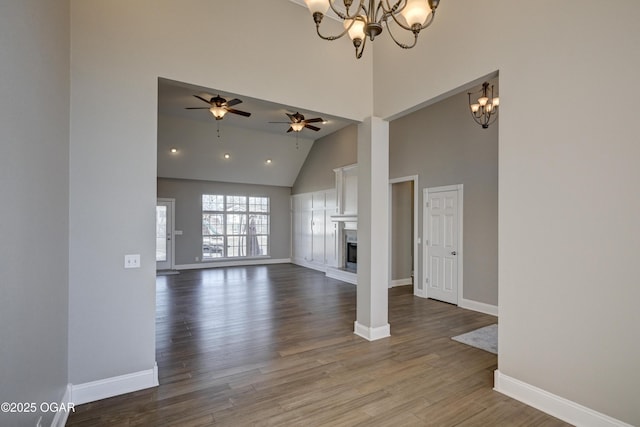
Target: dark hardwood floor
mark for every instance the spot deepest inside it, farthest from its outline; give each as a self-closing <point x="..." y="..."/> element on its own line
<point x="274" y="346"/>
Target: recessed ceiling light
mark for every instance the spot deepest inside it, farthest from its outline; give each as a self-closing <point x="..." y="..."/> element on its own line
<point x="268" y="161"/>
<point x="174" y="150"/>
<point x="227" y="155"/>
<point x="325" y="122"/>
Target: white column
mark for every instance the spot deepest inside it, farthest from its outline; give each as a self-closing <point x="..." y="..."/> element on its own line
<point x="373" y="229"/>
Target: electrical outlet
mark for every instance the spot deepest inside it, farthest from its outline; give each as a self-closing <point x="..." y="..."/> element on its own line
<point x="132" y="261"/>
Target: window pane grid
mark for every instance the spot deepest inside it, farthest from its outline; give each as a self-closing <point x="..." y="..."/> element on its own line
<point x="234" y="226"/>
<point x="258" y="204"/>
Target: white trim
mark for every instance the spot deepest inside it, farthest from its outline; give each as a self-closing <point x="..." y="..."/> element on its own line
<point x="172" y="231"/>
<point x="416" y="238"/>
<point x="114" y="386"/>
<point x="442" y="188"/>
<point x="478" y="306"/>
<point x="401" y="282"/>
<point x="345" y="218"/>
<point x="552" y="404"/>
<point x="309" y="264"/>
<point x="60" y="419"/>
<point x="339" y="274"/>
<point x="425" y="236"/>
<point x="371" y="334"/>
<point x="235" y="263"/>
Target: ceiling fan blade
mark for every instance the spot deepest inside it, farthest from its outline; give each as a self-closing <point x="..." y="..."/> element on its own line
<point x="312" y="127"/>
<point x="202" y="99"/>
<point x="234" y="111"/>
<point x="293" y="117"/>
<point x="316" y="120"/>
<point x="197" y="108"/>
<point x="233" y="102"/>
<point x="290" y="130"/>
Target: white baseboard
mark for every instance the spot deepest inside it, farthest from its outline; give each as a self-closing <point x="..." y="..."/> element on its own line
<point x="309" y="264"/>
<point x="479" y="307"/>
<point x="114" y="386"/>
<point x="234" y="263"/>
<point x="345" y="276"/>
<point x="401" y="282"/>
<point x="60" y="419"/>
<point x="552" y="404"/>
<point x="371" y="334"/>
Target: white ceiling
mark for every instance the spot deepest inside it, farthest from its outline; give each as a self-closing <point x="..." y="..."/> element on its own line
<point x="250" y="140"/>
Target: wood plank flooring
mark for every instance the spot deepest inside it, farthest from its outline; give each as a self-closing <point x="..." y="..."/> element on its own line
<point x="274" y="346"/>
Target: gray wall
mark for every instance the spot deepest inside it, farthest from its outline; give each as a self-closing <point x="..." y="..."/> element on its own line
<point x="565" y="278"/>
<point x="401" y="230"/>
<point x="333" y="151"/>
<point x="443" y="145"/>
<point x="188" y="214"/>
<point x="118" y="52"/>
<point x="34" y="189"/>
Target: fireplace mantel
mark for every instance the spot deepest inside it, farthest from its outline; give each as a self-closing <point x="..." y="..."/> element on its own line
<point x="344" y="218"/>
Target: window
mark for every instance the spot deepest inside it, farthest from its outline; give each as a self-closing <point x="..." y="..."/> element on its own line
<point x="234" y="226"/>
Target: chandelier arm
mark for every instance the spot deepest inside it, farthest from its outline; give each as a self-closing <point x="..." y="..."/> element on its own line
<point x="346" y="16"/>
<point x="332" y="38"/>
<point x="495" y="117"/>
<point x="374" y="16"/>
<point x="398" y="22"/>
<point x="393" y="9"/>
<point x="430" y="19"/>
<point x="476" y="119"/>
<point x="402" y="45"/>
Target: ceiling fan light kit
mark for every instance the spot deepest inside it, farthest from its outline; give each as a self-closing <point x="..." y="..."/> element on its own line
<point x="219" y="106"/>
<point x="297" y="122"/>
<point x="369" y="17"/>
<point x="218" y="112"/>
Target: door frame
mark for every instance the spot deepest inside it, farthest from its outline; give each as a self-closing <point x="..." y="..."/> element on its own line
<point x="416" y="239"/>
<point x="459" y="188"/>
<point x="171" y="229"/>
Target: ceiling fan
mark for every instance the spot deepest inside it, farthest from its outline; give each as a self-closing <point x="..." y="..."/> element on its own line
<point x="298" y="122"/>
<point x="220" y="106"/>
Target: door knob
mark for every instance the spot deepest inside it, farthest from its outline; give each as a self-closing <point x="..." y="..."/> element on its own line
<point x="454" y="253"/>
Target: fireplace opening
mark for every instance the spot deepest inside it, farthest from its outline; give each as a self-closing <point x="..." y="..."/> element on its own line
<point x="352" y="256"/>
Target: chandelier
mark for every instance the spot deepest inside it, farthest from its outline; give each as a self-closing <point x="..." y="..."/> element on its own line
<point x="367" y="20"/>
<point x="485" y="110"/>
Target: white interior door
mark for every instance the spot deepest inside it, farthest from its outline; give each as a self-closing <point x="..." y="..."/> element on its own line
<point x="164" y="235"/>
<point x="442" y="245"/>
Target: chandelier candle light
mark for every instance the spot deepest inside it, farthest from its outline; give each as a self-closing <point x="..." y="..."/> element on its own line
<point x="485" y="110"/>
<point x="369" y="16"/>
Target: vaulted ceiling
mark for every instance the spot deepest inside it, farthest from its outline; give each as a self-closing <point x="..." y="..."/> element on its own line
<point x="201" y="142"/>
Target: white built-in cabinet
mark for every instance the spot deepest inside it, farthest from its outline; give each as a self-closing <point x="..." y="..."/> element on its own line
<point x="313" y="234"/>
<point x="320" y="222"/>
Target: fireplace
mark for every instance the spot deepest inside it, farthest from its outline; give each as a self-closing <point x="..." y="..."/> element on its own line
<point x="350" y="250"/>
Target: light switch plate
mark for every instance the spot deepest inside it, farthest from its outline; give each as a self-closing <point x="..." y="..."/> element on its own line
<point x="132" y="261"/>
